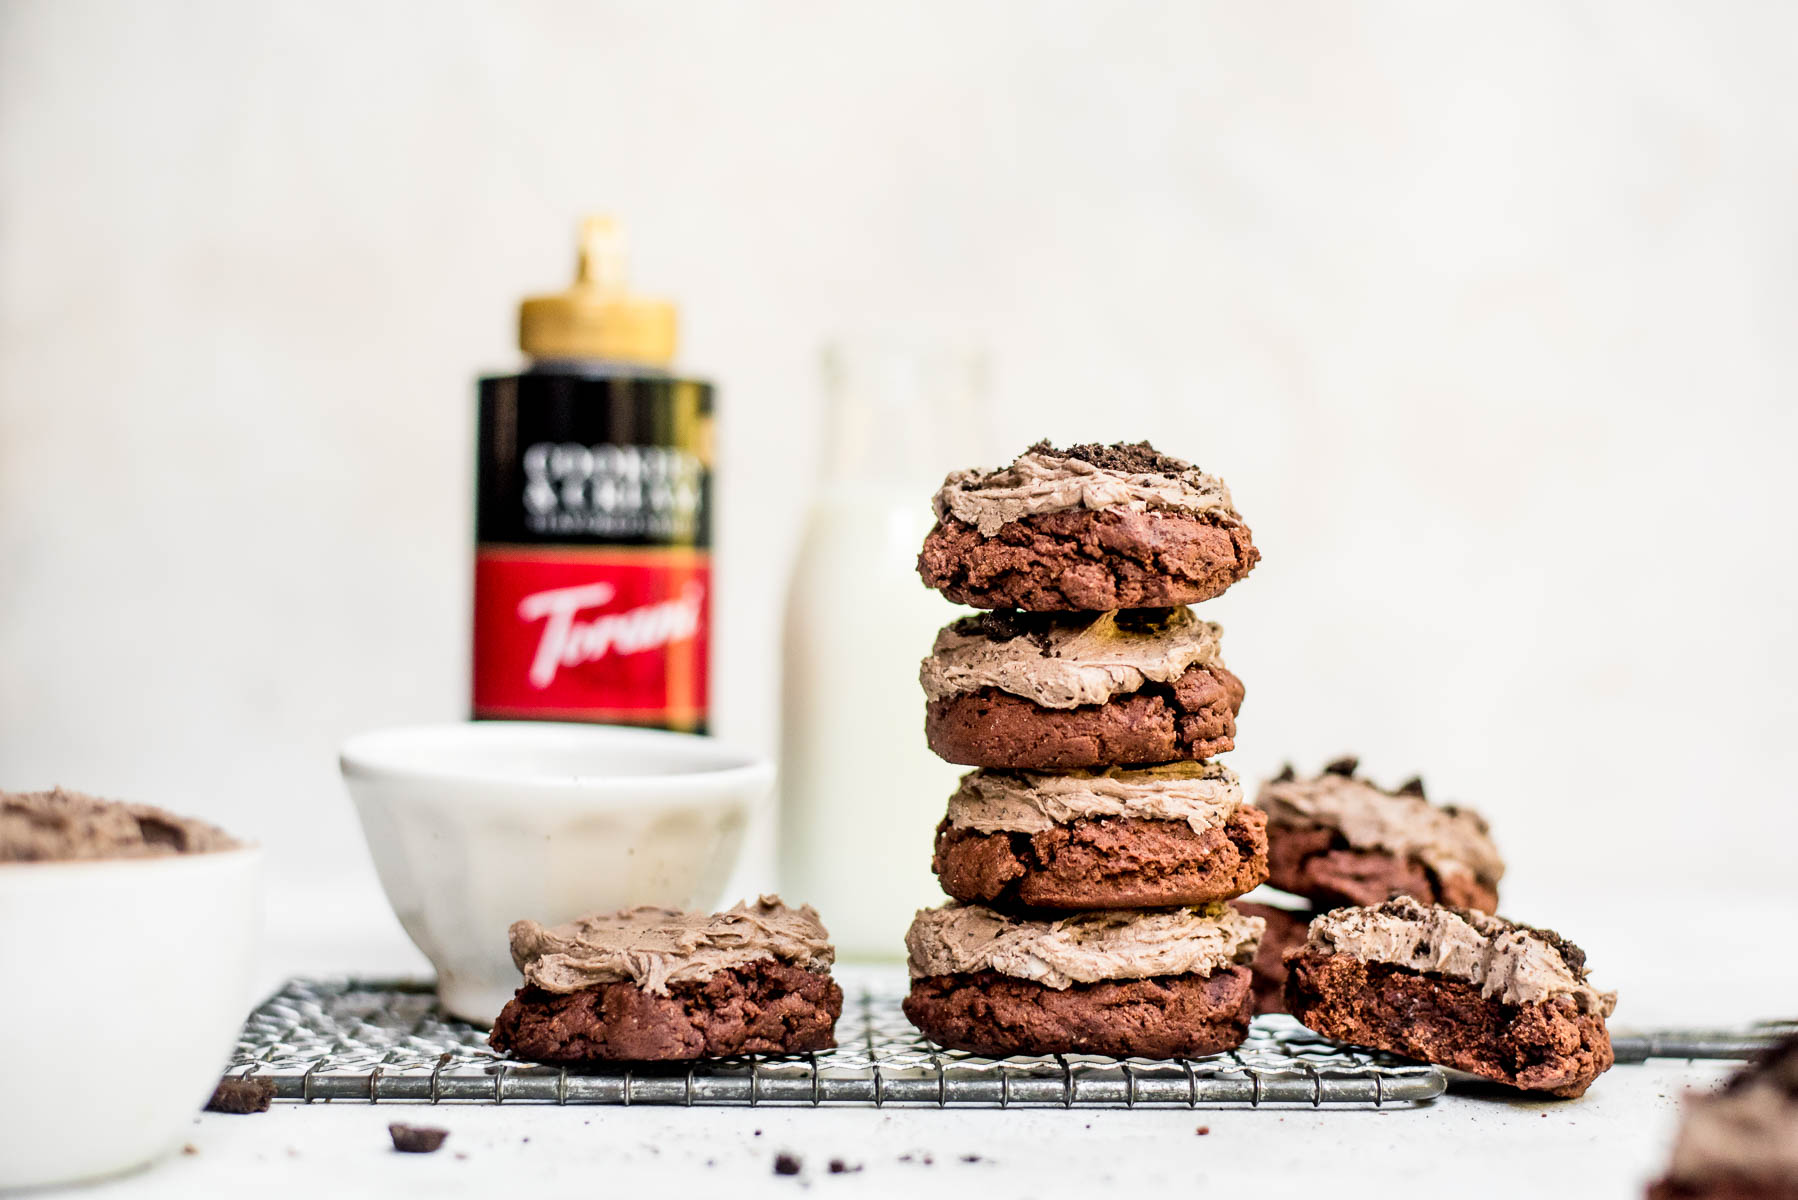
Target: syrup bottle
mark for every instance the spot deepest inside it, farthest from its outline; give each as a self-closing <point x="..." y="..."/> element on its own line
<point x="592" y="578"/>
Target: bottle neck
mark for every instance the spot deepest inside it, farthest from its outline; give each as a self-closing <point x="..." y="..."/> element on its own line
<point x="900" y="416"/>
<point x="596" y="368"/>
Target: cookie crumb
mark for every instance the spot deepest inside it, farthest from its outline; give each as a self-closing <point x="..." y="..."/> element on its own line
<point x="1136" y="458"/>
<point x="245" y="1094"/>
<point x="970" y="1158"/>
<point x="190" y="1148"/>
<point x="839" y="1167"/>
<point x="416" y="1139"/>
<point x="1204" y="1129"/>
<point x="785" y="1164"/>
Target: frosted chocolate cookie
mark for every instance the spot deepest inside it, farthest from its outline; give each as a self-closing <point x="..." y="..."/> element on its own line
<point x="1285" y="931"/>
<point x="1156" y="984"/>
<point x="61" y="826"/>
<point x="656" y="984"/>
<point x="1742" y="1143"/>
<point x="1338" y="839"/>
<point x="1456" y="987"/>
<point x="1048" y="691"/>
<point x="1088" y="528"/>
<point x="1119" y="838"/>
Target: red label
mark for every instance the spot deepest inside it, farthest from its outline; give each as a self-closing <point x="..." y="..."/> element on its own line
<point x="602" y="634"/>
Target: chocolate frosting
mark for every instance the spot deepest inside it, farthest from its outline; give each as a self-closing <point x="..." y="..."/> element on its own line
<point x="1512" y="963"/>
<point x="1752" y="1132"/>
<point x="1085" y="947"/>
<point x="1445" y="839"/>
<point x="1062" y="661"/>
<point x="1749" y="1130"/>
<point x="1045" y="480"/>
<point x="1202" y="794"/>
<point x="654" y="947"/>
<point x="60" y="826"/>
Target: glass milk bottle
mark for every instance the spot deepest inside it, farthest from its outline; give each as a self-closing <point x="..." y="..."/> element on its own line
<point x="861" y="794"/>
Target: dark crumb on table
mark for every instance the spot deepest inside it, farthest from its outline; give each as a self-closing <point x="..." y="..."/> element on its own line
<point x="245" y="1094"/>
<point x="416" y="1139"/>
<point x="785" y="1164"/>
<point x="970" y="1158"/>
<point x="1204" y="1129"/>
<point x="190" y="1148"/>
<point x="839" y="1167"/>
<point x="758" y="1133"/>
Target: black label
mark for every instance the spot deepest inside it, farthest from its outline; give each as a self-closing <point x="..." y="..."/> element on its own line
<point x="594" y="460"/>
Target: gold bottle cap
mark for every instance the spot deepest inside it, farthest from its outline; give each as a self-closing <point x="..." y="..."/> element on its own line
<point x="598" y="317"/>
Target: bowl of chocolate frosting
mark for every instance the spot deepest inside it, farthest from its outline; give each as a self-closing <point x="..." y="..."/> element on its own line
<point x="128" y="939"/>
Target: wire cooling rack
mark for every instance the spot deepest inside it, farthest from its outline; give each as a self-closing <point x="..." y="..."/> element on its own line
<point x="388" y="1041"/>
<point x="1634" y="1046"/>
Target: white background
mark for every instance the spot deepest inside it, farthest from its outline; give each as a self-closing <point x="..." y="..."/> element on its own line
<point x="1486" y="313"/>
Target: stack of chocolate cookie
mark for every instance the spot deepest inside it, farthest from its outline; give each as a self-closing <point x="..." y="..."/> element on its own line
<point x="1089" y="853"/>
<point x="1339" y="839"/>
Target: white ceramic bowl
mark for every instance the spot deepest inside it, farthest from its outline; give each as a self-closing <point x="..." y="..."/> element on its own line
<point x="123" y="986"/>
<point x="476" y="825"/>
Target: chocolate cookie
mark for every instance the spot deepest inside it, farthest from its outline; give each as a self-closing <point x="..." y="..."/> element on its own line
<point x="1456" y="987"/>
<point x="1177" y="834"/>
<point x="1089" y="528"/>
<point x="764" y="1007"/>
<point x="655" y="984"/>
<point x="1734" y="1187"/>
<point x="1339" y="839"/>
<point x="1169" y="1016"/>
<point x="1156" y="984"/>
<point x="1050" y="691"/>
<point x="1285" y="931"/>
<point x="1742" y="1142"/>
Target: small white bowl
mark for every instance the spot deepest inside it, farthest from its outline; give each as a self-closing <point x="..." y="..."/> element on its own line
<point x="123" y="986"/>
<point x="477" y="825"/>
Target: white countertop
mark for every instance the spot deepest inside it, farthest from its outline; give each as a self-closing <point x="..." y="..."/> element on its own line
<point x="1607" y="1144"/>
